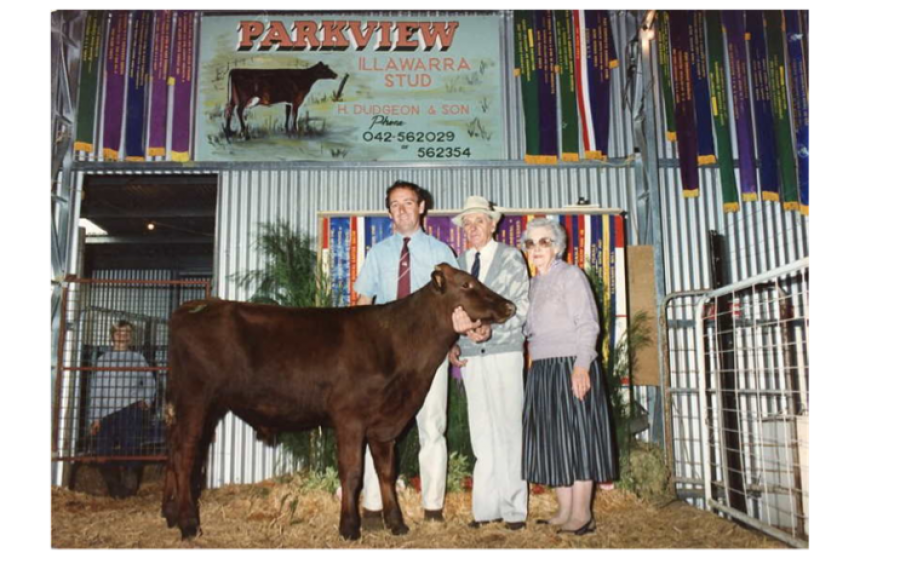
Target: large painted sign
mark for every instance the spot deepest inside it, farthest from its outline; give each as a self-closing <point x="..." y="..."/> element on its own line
<point x="275" y="88"/>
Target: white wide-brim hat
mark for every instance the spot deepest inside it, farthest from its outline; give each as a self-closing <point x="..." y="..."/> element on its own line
<point x="477" y="204"/>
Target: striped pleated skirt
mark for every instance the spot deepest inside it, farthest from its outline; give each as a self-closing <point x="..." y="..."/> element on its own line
<point x="566" y="439"/>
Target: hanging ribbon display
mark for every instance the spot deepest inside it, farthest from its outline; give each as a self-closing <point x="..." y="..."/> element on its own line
<point x="159" y="94"/>
<point x="565" y="57"/>
<point x="525" y="70"/>
<point x="138" y="78"/>
<point x="719" y="99"/>
<point x="706" y="151"/>
<point x="684" y="103"/>
<point x="91" y="49"/>
<point x="114" y="96"/>
<point x="665" y="61"/>
<point x="183" y="78"/>
<point x="545" y="75"/>
<point x="800" y="97"/>
<point x="766" y="143"/>
<point x="787" y="167"/>
<point x="733" y="22"/>
<point x="596" y="57"/>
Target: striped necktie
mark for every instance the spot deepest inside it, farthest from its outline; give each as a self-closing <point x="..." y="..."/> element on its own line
<point x="403" y="277"/>
<point x="476" y="266"/>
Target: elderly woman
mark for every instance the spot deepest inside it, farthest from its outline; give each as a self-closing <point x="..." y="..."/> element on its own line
<point x="567" y="431"/>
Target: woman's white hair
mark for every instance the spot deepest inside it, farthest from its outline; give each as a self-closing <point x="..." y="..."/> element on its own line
<point x="559" y="234"/>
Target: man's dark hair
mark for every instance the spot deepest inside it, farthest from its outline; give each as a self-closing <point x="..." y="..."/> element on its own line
<point x="421" y="193"/>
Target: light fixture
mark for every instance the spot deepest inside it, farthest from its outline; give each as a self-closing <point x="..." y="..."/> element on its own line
<point x="150" y="226"/>
<point x="91" y="228"/>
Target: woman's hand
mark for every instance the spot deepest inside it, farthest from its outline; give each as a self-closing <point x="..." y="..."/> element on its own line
<point x="581" y="382"/>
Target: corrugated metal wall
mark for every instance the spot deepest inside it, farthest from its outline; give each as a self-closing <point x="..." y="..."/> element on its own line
<point x="250" y="197"/>
<point x="760" y="237"/>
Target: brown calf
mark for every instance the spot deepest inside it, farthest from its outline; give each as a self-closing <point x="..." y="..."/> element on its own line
<point x="364" y="371"/>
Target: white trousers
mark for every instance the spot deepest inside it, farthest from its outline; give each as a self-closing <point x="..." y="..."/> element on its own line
<point x="495" y="397"/>
<point x="432" y="425"/>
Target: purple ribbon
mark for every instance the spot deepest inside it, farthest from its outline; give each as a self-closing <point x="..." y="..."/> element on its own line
<point x="733" y="21"/>
<point x="114" y="97"/>
<point x="159" y="96"/>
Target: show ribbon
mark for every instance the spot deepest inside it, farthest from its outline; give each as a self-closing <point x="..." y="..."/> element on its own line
<point x="114" y="95"/>
<point x="91" y="52"/>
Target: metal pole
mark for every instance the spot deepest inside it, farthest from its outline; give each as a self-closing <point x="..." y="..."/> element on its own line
<point x="64" y="50"/>
<point x="704" y="408"/>
<point x="646" y="136"/>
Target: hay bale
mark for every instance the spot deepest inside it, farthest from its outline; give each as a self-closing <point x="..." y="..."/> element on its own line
<point x="645" y="473"/>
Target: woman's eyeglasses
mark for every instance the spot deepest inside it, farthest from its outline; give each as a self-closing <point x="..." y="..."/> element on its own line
<point x="543" y="242"/>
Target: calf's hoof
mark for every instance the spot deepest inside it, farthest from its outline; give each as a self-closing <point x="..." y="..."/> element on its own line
<point x="189" y="528"/>
<point x="171" y="515"/>
<point x="350" y="534"/>
<point x="400" y="529"/>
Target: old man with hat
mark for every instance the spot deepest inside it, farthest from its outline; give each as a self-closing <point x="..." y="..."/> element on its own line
<point x="491" y="361"/>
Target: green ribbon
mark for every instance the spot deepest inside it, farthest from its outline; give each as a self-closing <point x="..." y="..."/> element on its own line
<point x="787" y="166"/>
<point x="665" y="64"/>
<point x="565" y="57"/>
<point x="719" y="96"/>
<point x="91" y="61"/>
<point x="525" y="70"/>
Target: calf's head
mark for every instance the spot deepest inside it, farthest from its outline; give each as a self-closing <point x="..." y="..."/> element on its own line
<point x="321" y="70"/>
<point x="460" y="288"/>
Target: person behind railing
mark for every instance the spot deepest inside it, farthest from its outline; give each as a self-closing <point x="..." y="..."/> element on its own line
<point x="120" y="410"/>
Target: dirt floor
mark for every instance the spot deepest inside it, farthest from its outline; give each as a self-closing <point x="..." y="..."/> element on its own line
<point x="279" y="515"/>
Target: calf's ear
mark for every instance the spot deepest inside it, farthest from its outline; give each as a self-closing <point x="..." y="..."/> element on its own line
<point x="438" y="280"/>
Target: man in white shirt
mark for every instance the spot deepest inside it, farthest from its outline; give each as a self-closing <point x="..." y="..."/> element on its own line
<point x="493" y="373"/>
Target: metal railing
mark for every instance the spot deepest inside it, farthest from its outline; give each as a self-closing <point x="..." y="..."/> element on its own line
<point x="109" y="389"/>
<point x="735" y="381"/>
<point x="751" y="342"/>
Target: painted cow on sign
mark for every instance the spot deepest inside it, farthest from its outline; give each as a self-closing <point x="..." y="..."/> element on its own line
<point x="268" y="87"/>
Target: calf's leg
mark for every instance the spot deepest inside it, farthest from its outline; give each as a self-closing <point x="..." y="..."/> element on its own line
<point x="383" y="455"/>
<point x="188" y="436"/>
<point x="350" y="469"/>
